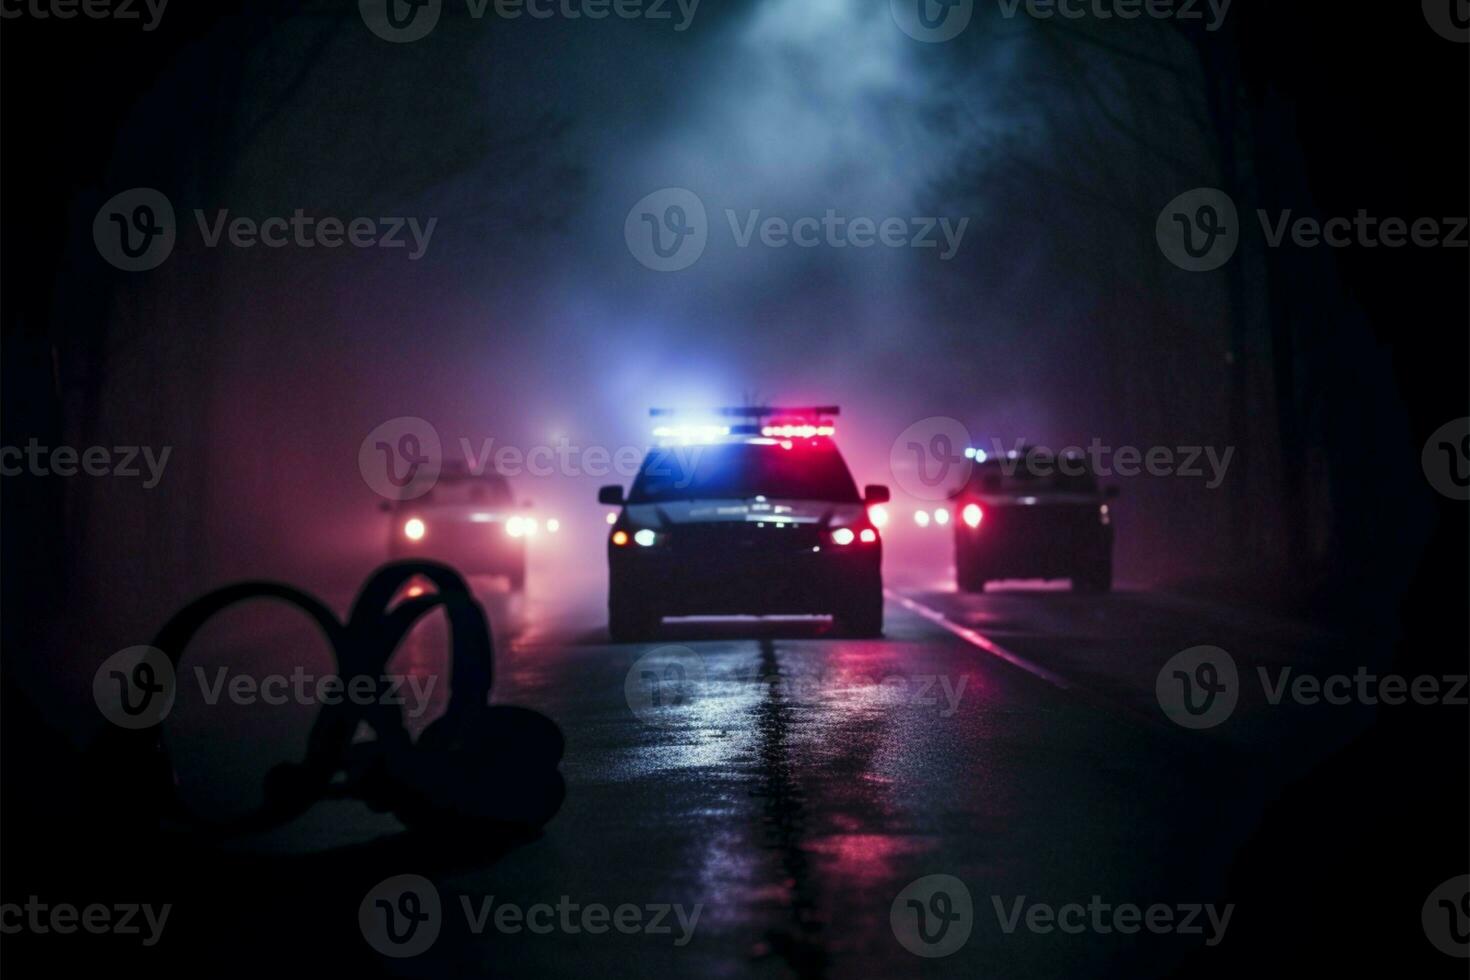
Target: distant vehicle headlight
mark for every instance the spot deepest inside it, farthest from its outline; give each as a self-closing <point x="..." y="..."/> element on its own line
<point x="878" y="514"/>
<point x="414" y="529"/>
<point x="972" y="514"/>
<point x="516" y="526"/>
<point x="645" y="537"/>
<point x="941" y="516"/>
<point x="552" y="525"/>
<point x="843" y="535"/>
<point x="921" y="518"/>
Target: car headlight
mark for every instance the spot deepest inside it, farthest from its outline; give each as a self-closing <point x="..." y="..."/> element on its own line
<point x="644" y="537"/>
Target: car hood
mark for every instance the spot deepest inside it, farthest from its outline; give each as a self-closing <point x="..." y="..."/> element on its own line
<point x="456" y="513"/>
<point x="674" y="512"/>
<point x="1041" y="498"/>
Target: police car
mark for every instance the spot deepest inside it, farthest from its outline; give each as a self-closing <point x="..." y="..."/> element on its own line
<point x="1032" y="514"/>
<point x="753" y="513"/>
<point x="469" y="520"/>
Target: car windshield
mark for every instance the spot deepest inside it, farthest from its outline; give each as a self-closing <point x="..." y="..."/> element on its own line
<point x="1035" y="474"/>
<point x="485" y="491"/>
<point x="744" y="470"/>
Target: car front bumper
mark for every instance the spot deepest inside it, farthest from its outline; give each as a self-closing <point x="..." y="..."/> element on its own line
<point x="809" y="583"/>
<point x="484" y="548"/>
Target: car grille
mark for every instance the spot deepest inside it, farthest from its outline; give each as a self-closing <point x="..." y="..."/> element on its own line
<point x="694" y="542"/>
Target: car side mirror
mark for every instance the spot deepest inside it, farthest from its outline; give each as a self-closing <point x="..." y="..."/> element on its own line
<point x="1111" y="493"/>
<point x="610" y="495"/>
<point x="876" y="493"/>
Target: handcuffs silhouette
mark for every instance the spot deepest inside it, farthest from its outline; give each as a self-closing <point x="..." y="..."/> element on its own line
<point x="477" y="768"/>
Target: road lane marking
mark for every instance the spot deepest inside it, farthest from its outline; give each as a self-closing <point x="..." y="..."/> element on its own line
<point x="980" y="641"/>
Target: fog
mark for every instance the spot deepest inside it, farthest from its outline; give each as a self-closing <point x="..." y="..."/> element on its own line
<point x="529" y="321"/>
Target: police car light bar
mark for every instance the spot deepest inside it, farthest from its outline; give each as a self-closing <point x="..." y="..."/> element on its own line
<point x="757" y="412"/>
<point x="691" y="433"/>
<point x="796" y="423"/>
<point x="776" y="422"/>
<point x="770" y="421"/>
<point x="800" y="431"/>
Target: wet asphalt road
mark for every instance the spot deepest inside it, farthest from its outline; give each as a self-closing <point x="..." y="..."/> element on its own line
<point x="788" y="785"/>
